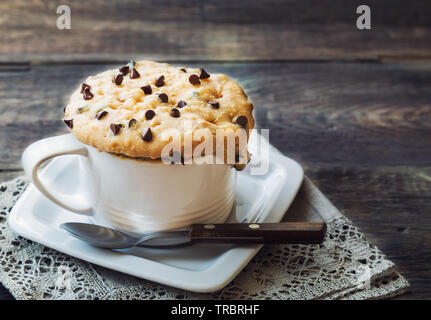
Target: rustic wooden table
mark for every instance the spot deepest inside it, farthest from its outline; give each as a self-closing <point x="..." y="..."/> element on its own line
<point x="353" y="107"/>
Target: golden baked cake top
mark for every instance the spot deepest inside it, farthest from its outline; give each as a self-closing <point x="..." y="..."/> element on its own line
<point x="127" y="110"/>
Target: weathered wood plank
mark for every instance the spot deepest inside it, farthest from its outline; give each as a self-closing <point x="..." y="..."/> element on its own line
<point x="208" y="30"/>
<point x="327" y="113"/>
<point x="390" y="205"/>
<point x="6" y="175"/>
<point x="361" y="130"/>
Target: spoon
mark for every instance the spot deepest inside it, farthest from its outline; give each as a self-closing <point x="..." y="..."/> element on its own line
<point x="233" y="233"/>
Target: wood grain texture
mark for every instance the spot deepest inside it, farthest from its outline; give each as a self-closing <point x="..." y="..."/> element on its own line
<point x="327" y="113"/>
<point x="262" y="233"/>
<point x="361" y="131"/>
<point x="361" y="128"/>
<point x="390" y="205"/>
<point x="6" y="175"/>
<point x="215" y="30"/>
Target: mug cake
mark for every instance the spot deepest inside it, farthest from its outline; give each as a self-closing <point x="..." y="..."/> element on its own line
<point x="119" y="120"/>
<point x="125" y="111"/>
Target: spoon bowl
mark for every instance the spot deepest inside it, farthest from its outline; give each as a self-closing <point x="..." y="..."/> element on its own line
<point x="99" y="236"/>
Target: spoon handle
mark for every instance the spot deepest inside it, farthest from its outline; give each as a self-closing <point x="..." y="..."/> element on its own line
<point x="254" y="233"/>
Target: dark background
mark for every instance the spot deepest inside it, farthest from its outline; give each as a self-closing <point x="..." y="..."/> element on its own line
<point x="353" y="107"/>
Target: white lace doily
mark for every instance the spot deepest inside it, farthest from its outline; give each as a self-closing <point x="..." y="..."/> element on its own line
<point x="345" y="266"/>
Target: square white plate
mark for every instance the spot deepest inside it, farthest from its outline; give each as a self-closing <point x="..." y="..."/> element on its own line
<point x="199" y="268"/>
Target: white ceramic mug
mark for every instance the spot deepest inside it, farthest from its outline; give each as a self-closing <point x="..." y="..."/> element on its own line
<point x="137" y="196"/>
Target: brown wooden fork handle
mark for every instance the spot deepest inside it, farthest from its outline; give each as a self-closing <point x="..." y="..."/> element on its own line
<point x="254" y="233"/>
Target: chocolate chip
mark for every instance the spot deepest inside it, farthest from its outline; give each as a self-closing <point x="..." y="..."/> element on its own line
<point x="147" y="135"/>
<point x="204" y="74"/>
<point x="68" y="123"/>
<point x="149" y="114"/>
<point x="83" y="86"/>
<point x="242" y="121"/>
<point x="118" y="79"/>
<point x="132" y="122"/>
<point x="174" y="113"/>
<point x="115" y="128"/>
<point x="163" y="97"/>
<point x="160" y="82"/>
<point x="238" y="167"/>
<point x="194" y="79"/>
<point x="181" y="104"/>
<point x="134" y="74"/>
<point x="147" y="89"/>
<point x="214" y="104"/>
<point x="124" y="70"/>
<point x="101" y="114"/>
<point x="87" y="93"/>
<point x="183" y="70"/>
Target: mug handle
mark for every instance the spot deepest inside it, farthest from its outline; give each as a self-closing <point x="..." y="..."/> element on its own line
<point x="39" y="152"/>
